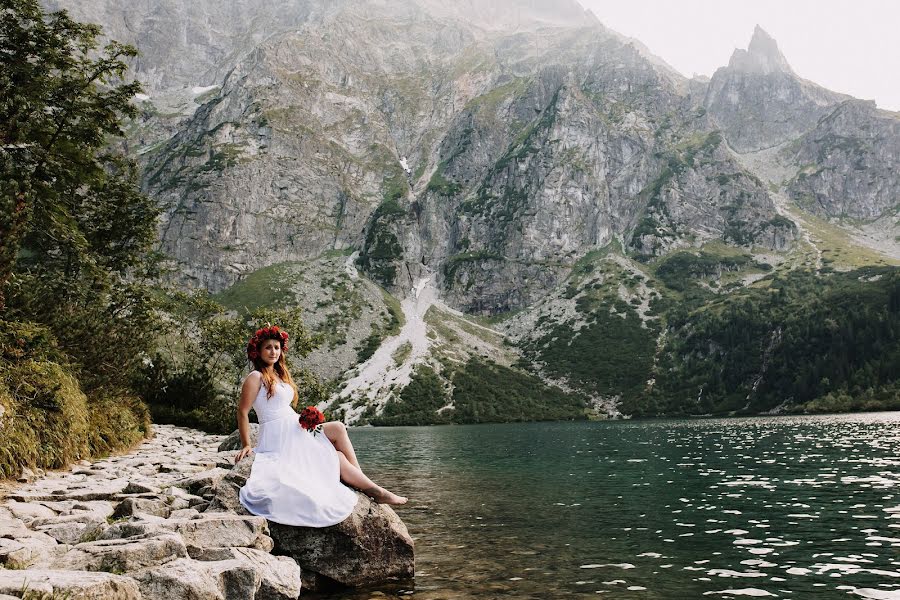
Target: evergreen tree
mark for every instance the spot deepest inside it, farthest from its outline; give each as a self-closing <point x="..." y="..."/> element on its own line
<point x="75" y="231"/>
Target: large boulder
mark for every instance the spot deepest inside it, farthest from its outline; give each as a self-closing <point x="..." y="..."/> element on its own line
<point x="233" y="441"/>
<point x="225" y="494"/>
<point x="369" y="547"/>
<point x="242" y="573"/>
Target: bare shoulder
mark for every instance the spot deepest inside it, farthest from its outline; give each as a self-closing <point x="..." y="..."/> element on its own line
<point x="253" y="380"/>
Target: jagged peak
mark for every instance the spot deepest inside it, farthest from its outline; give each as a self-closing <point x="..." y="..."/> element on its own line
<point x="761" y="56"/>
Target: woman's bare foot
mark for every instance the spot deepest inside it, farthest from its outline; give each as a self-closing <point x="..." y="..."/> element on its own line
<point x="383" y="496"/>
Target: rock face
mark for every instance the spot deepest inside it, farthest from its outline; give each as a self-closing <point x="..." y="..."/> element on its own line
<point x="849" y="163"/>
<point x="758" y="101"/>
<point x="468" y="150"/>
<point x="488" y="151"/>
<point x="164" y="522"/>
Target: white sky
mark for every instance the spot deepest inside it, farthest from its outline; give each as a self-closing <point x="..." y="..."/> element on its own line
<point x="849" y="46"/>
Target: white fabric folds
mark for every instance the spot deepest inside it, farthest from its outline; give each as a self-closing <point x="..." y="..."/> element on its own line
<point x="295" y="479"/>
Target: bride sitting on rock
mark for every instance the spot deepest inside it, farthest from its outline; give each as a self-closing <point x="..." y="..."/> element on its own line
<point x="296" y="475"/>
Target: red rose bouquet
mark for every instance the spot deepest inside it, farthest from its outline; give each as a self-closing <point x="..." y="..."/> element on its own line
<point x="311" y="419"/>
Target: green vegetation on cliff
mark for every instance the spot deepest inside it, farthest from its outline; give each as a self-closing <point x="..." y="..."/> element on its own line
<point x="382" y="249"/>
<point x="801" y="340"/>
<point x="482" y="392"/>
<point x="419" y="402"/>
<point x="485" y="392"/>
<point x="707" y="345"/>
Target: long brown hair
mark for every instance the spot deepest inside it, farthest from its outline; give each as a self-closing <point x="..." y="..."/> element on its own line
<point x="280" y="368"/>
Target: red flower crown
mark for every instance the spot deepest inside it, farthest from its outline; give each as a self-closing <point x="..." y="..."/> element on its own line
<point x="261" y="335"/>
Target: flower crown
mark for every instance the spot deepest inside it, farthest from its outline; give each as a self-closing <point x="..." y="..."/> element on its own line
<point x="266" y="333"/>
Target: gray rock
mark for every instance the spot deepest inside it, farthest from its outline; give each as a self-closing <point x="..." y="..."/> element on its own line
<point x="122" y="555"/>
<point x="140" y="527"/>
<point x="280" y="575"/>
<point x="371" y="546"/>
<point x="759" y="102"/>
<point x="25" y="552"/>
<point x="849" y="164"/>
<point x="218" y="530"/>
<point x="26" y="476"/>
<point x="91" y="490"/>
<point x="135" y="487"/>
<point x="75" y="585"/>
<point x="63" y="507"/>
<point x="186" y="578"/>
<point x="232" y="443"/>
<point x="185" y="513"/>
<point x="131" y="506"/>
<point x="32" y="550"/>
<point x="29" y="510"/>
<point x="205" y="479"/>
<point x="84" y="517"/>
<point x="226" y="497"/>
<point x="75" y="532"/>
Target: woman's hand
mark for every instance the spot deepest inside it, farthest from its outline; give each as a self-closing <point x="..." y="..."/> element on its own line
<point x="245" y="452"/>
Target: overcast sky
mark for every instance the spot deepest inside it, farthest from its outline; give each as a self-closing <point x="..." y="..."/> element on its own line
<point x="849" y="46"/>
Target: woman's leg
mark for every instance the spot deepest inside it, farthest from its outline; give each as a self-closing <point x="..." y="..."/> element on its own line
<point x="337" y="434"/>
<point x="352" y="475"/>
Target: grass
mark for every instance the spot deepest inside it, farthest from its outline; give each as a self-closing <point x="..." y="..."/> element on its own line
<point x="47" y="422"/>
<point x="402" y="353"/>
<point x="27" y="594"/>
<point x="434" y="319"/>
<point x="440" y="318"/>
<point x="267" y="287"/>
<point x="840" y="247"/>
<point x="397" y="318"/>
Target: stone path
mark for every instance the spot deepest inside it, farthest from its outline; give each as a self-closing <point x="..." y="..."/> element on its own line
<point x="143" y="525"/>
<point x="164" y="522"/>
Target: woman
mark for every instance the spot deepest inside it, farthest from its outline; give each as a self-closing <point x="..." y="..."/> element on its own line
<point x="296" y="475"/>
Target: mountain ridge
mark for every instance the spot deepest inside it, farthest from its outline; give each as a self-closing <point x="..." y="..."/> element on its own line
<point x="493" y="163"/>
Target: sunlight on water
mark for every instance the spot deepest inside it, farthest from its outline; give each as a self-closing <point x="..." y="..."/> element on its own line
<point x="778" y="507"/>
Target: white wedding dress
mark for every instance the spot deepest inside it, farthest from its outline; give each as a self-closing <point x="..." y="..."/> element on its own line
<point x="295" y="479"/>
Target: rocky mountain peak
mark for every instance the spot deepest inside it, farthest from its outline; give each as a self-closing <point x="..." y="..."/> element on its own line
<point x="761" y="56"/>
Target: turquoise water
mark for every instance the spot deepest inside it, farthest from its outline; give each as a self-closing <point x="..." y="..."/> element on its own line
<point x="775" y="507"/>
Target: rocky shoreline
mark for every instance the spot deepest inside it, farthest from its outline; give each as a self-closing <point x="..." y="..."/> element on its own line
<point x="163" y="522"/>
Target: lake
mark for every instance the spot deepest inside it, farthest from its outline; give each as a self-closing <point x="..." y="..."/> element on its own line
<point x="773" y="507"/>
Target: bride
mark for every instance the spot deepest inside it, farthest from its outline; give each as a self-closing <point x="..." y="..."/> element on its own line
<point x="296" y="475"/>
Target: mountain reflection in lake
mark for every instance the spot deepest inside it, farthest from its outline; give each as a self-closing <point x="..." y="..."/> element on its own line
<point x="777" y="507"/>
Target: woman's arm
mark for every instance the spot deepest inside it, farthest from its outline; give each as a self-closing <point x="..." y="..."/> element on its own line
<point x="248" y="394"/>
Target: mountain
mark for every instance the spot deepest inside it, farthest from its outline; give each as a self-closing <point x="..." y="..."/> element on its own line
<point x="532" y="187"/>
<point x="758" y="101"/>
